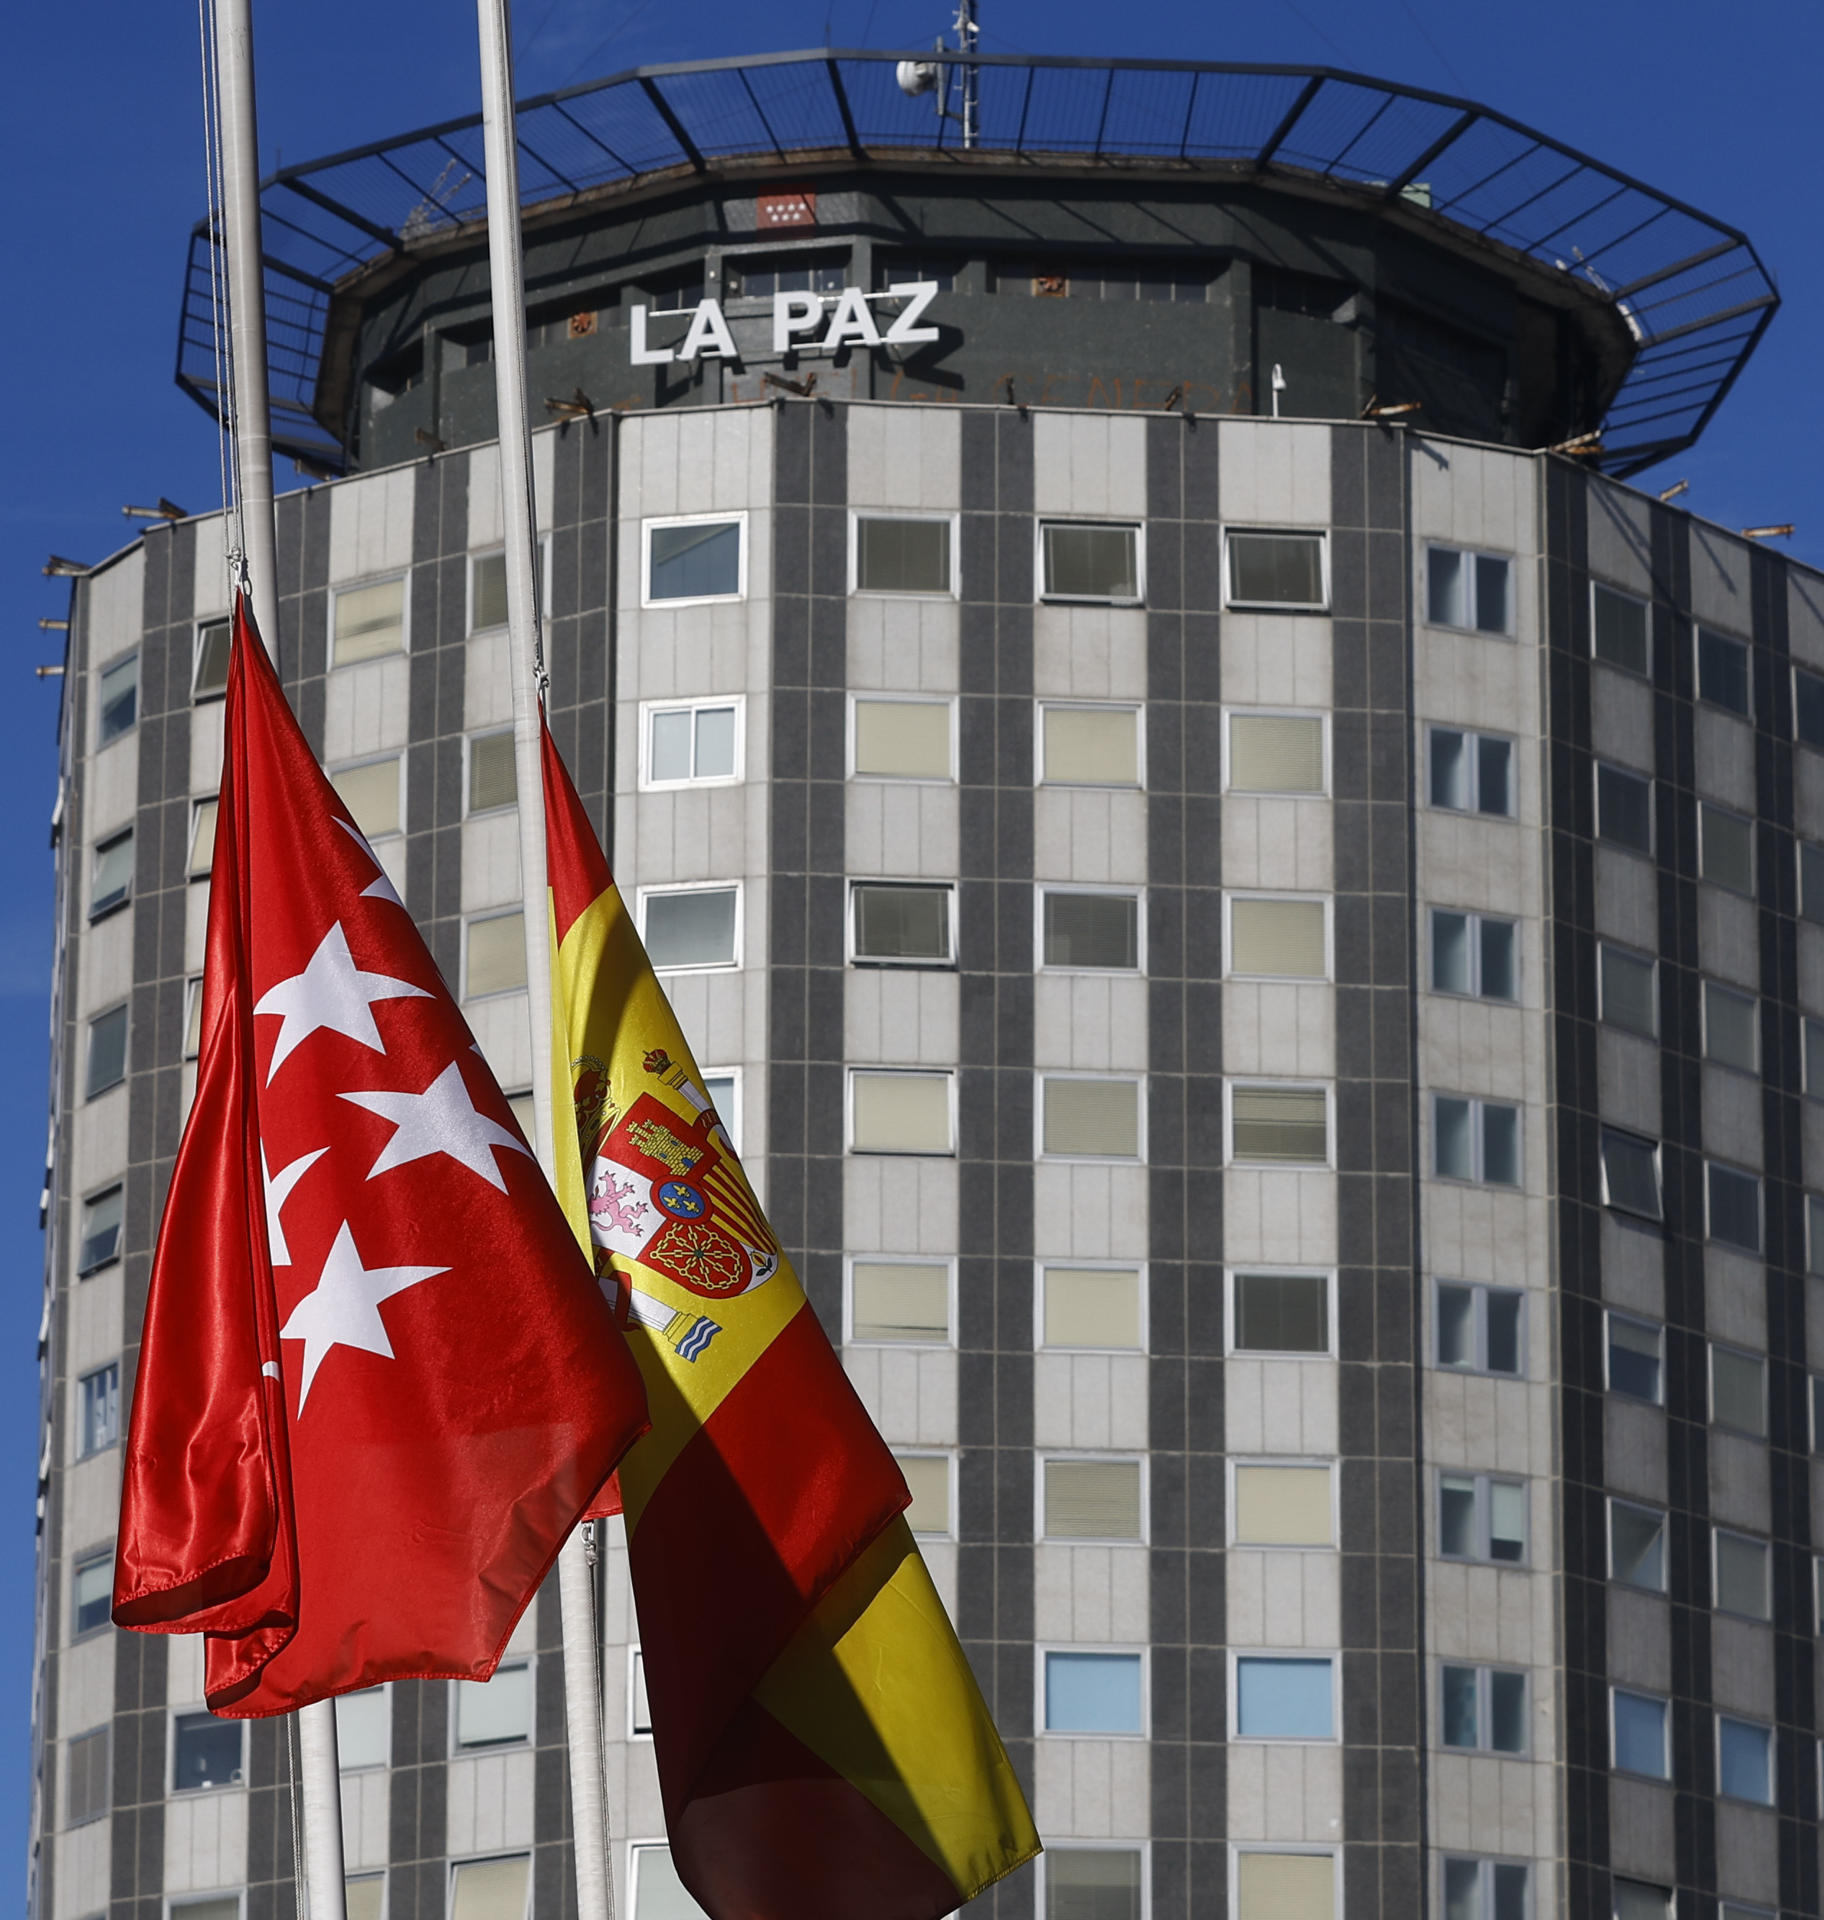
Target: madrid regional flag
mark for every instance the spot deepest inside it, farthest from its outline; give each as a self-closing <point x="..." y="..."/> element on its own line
<point x="376" y="1383"/>
<point x="823" y="1749"/>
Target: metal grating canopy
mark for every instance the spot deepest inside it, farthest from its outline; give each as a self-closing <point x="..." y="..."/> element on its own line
<point x="1693" y="290"/>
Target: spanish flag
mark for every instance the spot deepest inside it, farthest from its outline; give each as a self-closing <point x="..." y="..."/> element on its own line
<point x="823" y="1749"/>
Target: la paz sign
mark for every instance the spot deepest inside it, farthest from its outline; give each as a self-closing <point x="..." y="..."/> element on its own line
<point x="799" y="326"/>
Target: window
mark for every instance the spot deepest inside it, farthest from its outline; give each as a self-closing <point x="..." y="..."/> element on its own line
<point x="1730" y="1027"/>
<point x="1638" y="1734"/>
<point x="193" y="1016"/>
<point x="1744" y="1760"/>
<point x="1738" y="1391"/>
<point x="1722" y="672"/>
<point x="760" y="279"/>
<point x="1628" y="990"/>
<point x="899" y="1301"/>
<point x="1474" y="954"/>
<point x="1481" y="1518"/>
<point x="1807" y="708"/>
<point x="495" y="1889"/>
<point x="205" y="1752"/>
<point x="1480" y="1328"/>
<point x="896" y="925"/>
<point x="98" y="1410"/>
<point x="1284" y="1697"/>
<point x="1087" y="562"/>
<point x="1093" y="1119"/>
<point x="1814" y="1233"/>
<point x="699" y="559"/>
<point x="1098" y="1308"/>
<point x="1618" y="629"/>
<point x="1279" y="939"/>
<point x="1093" y="1883"/>
<point x="1725" y="848"/>
<point x="903" y="739"/>
<point x="928" y="1478"/>
<point x="1630" y="1173"/>
<point x="492" y="781"/>
<point x="370" y="792"/>
<point x="1484" y="1889"/>
<point x="99" y="1238"/>
<point x="658" y="1893"/>
<point x="369" y="621"/>
<point x="1636" y="1350"/>
<point x="487" y="591"/>
<point x="1471" y="772"/>
<point x="1473" y="591"/>
<point x="364" y="1896"/>
<point x="213" y="640"/>
<point x="1092" y="1500"/>
<point x="1817" y="1413"/>
<point x="111" y="883"/>
<point x="1637" y="1546"/>
<point x="494" y="959"/>
<point x="1634" y="1900"/>
<point x="107" y="1051"/>
<point x="1812" y="1058"/>
<point x="692" y="744"/>
<point x="1279" y="1313"/>
<point x="1279" y="1126"/>
<point x="489" y="1713"/>
<point x="1476" y="1140"/>
<point x="1734" y="1206"/>
<point x="1098" y="931"/>
<point x="1089" y="746"/>
<point x="1483" y="1709"/>
<point x="92" y="1593"/>
<point x="1093" y="1692"/>
<point x="723" y="1086"/>
<point x="639" y="1702"/>
<point x="88" y="1791"/>
<point x="1624" y="808"/>
<point x="203" y="814"/>
<point x="1742" y="1576"/>
<point x="1276" y="570"/>
<point x="117" y="703"/>
<point x="1282" y="1504"/>
<point x="364" y="1729"/>
<point x="902" y="553"/>
<point x="1283" y="1886"/>
<point x="901" y="1112"/>
<point x="692" y="927"/>
<point x="1276" y="753"/>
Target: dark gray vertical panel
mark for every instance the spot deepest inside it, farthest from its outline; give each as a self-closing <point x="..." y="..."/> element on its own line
<point x="438" y="591"/>
<point x="271" y="1867"/>
<point x="416" y="1870"/>
<point x="553" y="1870"/>
<point x="136" y="1873"/>
<point x="1188" y="1582"/>
<point x="579" y="625"/>
<point x="1377" y="1181"/>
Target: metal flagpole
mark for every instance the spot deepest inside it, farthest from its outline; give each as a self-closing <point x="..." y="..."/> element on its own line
<point x="252" y="431"/>
<point x="576" y="1582"/>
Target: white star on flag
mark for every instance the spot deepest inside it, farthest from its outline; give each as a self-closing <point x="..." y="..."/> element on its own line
<point x="278" y="1191"/>
<point x="441" y="1119"/>
<point x="381" y="889"/>
<point x="331" y="992"/>
<point x="343" y="1309"/>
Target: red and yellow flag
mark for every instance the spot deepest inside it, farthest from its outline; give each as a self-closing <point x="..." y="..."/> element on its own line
<point x="823" y="1748"/>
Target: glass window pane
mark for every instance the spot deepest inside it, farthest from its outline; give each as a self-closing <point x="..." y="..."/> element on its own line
<point x="901" y="1112"/>
<point x="1619" y="629"/>
<point x="1099" y="1117"/>
<point x="1456" y="1326"/>
<point x="1283" y="1507"/>
<point x="1500" y="1145"/>
<point x="371" y="795"/>
<point x="1628" y="996"/>
<point x="1494" y="775"/>
<point x="1458" y="1536"/>
<point x="1463" y="1889"/>
<point x="1450" y="764"/>
<point x="1283" y="1699"/>
<point x="1450" y="957"/>
<point x="695" y="929"/>
<point x="694" y="563"/>
<point x="1741" y="1575"/>
<point x="1091" y="563"/>
<point x="903" y="739"/>
<point x="928" y="1477"/>
<point x="1812" y="1046"/>
<point x="1744" y="1757"/>
<point x="898" y="1300"/>
<point x="1087" y="1307"/>
<point x="640" y="1707"/>
<point x="1282" y="1313"/>
<point x="1808" y="707"/>
<point x="1722" y="671"/>
<point x="1506" y="1520"/>
<point x="1735" y="1207"/>
<point x="1092" y="930"/>
<point x="89" y="1777"/>
<point x="113" y="879"/>
<point x="902" y="923"/>
<point x="1285" y="1886"/>
<point x="658" y="1893"/>
<point x="489" y="1889"/>
<point x="1278" y="939"/>
<point x="1503" y="1311"/>
<point x="1276" y="569"/>
<point x="1637" y="1537"/>
<point x="1811" y="882"/>
<point x="202" y="837"/>
<point x="1738" y="1391"/>
<point x="101" y="1219"/>
<point x="1500" y="958"/>
<point x="1507" y="1712"/>
<point x="369" y="621"/>
<point x="496" y="955"/>
<point x="1275" y="753"/>
<point x="94" y="1596"/>
<point x="491" y="782"/>
<point x="207" y="1753"/>
<point x="1630" y="1173"/>
<point x="1635" y="1901"/>
<point x="902" y="556"/>
<point x="1092" y="746"/>
<point x="671" y="744"/>
<point x="1640" y="1734"/>
<point x="715" y="743"/>
<point x="1508" y="1890"/>
<point x="1092" y="1499"/>
<point x="1281" y="1125"/>
<point x="1092" y="1693"/>
<point x="364" y="1895"/>
<point x="364" y="1725"/>
<point x="487" y="591"/>
<point x="1454" y="1145"/>
<point x="491" y="1711"/>
<point x="117" y="699"/>
<point x="1728" y="1026"/>
<point x="212" y="648"/>
<point x="1092" y="1883"/>
<point x="1492" y="576"/>
<point x="1447" y="588"/>
<point x="107" y="1051"/>
<point x="1460" y="1697"/>
<point x="1726" y="849"/>
<point x="1634" y="1363"/>
<point x="1624" y="810"/>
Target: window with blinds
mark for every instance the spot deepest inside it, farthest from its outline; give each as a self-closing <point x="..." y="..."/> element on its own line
<point x="368" y="621"/>
<point x="1093" y="1500"/>
<point x="928" y="1477"/>
<point x="490" y="1889"/>
<point x="1098" y="1119"/>
<point x="1093" y="1307"/>
<point x="89" y="1776"/>
<point x="1276" y="753"/>
<point x="899" y="1301"/>
<point x="1278" y="939"/>
<point x="494" y="956"/>
<point x="1089" y="746"/>
<point x="900" y="1113"/>
<point x="1284" y="1886"/>
<point x="371" y="794"/>
<point x="1093" y="1883"/>
<point x="1283" y="1506"/>
<point x="902" y="739"/>
<point x="1279" y="1126"/>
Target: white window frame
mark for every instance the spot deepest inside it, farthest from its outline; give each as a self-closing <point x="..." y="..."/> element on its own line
<point x="104" y="667"/>
<point x="1111" y="522"/>
<point x="1133" y="1649"/>
<point x="699" y="886"/>
<point x="79" y="1430"/>
<point x="1268" y="1269"/>
<point x="1609" y="1316"/>
<point x="398" y="756"/>
<point x="1641" y="1693"/>
<point x="1475" y="811"/>
<point x="1613" y="1501"/>
<point x="1484" y="1671"/>
<point x="480" y="1860"/>
<point x="732" y="1114"/>
<point x="1231" y="714"/>
<point x="1042" y="778"/>
<point x="88" y="1050"/>
<point x="1047" y="1457"/>
<point x="96" y="850"/>
<point x="1252" y="1084"/>
<point x="1320" y="534"/>
<point x="193" y="994"/>
<point x="953" y="520"/>
<point x="735" y="515"/>
<point x="1480" y="1290"/>
<point x="70" y="1742"/>
<point x="386" y="1885"/>
<point x="874" y="696"/>
<point x="849" y="1336"/>
<point x="487" y="553"/>
<point x="692" y="704"/>
<point x="1041" y="892"/>
<point x="1144" y="1848"/>
<point x="1716" y="1585"/>
<point x="869" y="960"/>
<point x="474" y="919"/>
<point x="1476" y="920"/>
<point x="1698" y="630"/>
<point x="175" y="1711"/>
<point x="949" y="1457"/>
<point x="947" y="1074"/>
<point x="1323" y="900"/>
<point x="1114" y="1264"/>
<point x="1485" y="1879"/>
<point x="1621" y="593"/>
<point x="1471" y="590"/>
<point x="1773" y="1759"/>
<point x="1303" y="1460"/>
<point x="635" y="1848"/>
<point x="176" y="1904"/>
<point x="103" y="1556"/>
<point x="1138" y="1081"/>
<point x="1479" y="1105"/>
<point x="87" y="1200"/>
<point x="385" y="1687"/>
<point x="519" y="1741"/>
<point x="1238" y="1847"/>
<point x="1236" y="1655"/>
<point x="197" y="803"/>
<point x="1632" y="953"/>
<point x="207" y="697"/>
<point x="636" y="1669"/>
<point x="404" y="576"/>
<point x="468" y="745"/>
<point x="1485" y="1483"/>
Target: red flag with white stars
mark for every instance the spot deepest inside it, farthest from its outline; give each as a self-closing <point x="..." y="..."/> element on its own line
<point x="378" y="1382"/>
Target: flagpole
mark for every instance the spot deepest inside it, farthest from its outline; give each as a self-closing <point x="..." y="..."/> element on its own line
<point x="576" y="1580"/>
<point x="251" y="427"/>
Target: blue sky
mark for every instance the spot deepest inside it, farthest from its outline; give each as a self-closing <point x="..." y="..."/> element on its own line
<point x="103" y="141"/>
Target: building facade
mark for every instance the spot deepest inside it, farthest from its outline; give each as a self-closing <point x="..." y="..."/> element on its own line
<point x="1268" y="970"/>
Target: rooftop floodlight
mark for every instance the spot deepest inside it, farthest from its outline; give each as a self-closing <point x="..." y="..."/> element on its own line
<point x="54" y="626"/>
<point x="165" y="510"/>
<point x="1674" y="490"/>
<point x="1783" y="532"/>
<point x="58" y="564"/>
<point x="917" y="76"/>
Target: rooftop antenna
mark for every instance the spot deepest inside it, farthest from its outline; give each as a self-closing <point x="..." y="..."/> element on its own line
<point x="933" y="77"/>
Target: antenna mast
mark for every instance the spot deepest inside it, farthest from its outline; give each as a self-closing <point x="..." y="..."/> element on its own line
<point x="968" y="39"/>
<point x="936" y="78"/>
